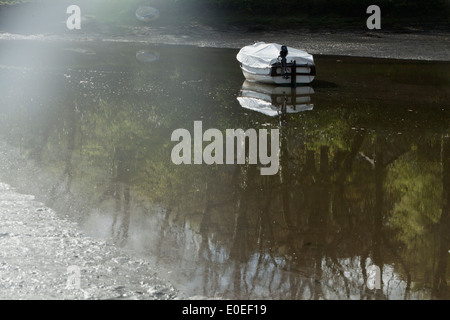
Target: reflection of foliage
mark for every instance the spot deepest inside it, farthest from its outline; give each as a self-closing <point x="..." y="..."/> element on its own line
<point x="419" y="187"/>
<point x="112" y="125"/>
<point x="415" y="215"/>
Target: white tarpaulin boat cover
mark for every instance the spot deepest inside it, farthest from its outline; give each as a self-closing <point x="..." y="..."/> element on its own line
<point x="263" y="55"/>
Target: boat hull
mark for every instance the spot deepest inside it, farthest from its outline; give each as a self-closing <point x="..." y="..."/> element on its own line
<point x="269" y="75"/>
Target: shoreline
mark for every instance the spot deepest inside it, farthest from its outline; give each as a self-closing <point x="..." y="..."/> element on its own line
<point x="39" y="248"/>
<point x="402" y="38"/>
<point x="38" y="245"/>
<point x="370" y="44"/>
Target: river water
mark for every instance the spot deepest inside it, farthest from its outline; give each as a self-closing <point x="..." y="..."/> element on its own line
<point x="363" y="176"/>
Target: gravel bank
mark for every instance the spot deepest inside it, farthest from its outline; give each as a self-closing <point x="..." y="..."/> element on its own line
<point x="429" y="46"/>
<point x="37" y="247"/>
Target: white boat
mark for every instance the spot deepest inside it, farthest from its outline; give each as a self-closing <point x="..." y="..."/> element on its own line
<point x="276" y="64"/>
<point x="275" y="100"/>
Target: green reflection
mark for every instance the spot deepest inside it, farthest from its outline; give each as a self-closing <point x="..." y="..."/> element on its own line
<point x="363" y="175"/>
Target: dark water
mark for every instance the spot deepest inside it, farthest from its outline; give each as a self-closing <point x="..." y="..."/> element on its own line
<point x="364" y="169"/>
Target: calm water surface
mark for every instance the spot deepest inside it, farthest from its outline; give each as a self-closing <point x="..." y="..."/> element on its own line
<point x="364" y="167"/>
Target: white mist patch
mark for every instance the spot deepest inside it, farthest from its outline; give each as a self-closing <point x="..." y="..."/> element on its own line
<point x="98" y="223"/>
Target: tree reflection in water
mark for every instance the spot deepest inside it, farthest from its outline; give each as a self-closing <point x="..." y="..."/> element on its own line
<point x="364" y="177"/>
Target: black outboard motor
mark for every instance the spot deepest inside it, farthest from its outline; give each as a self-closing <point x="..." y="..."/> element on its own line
<point x="283" y="54"/>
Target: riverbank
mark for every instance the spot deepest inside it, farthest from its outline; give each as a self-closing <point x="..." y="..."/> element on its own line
<point x="411" y="46"/>
<point x="37" y="246"/>
<point x="400" y="41"/>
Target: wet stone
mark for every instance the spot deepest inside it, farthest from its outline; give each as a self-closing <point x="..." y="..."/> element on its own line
<point x="36" y="252"/>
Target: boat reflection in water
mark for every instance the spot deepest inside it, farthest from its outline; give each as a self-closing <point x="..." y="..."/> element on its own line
<point x="275" y="100"/>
